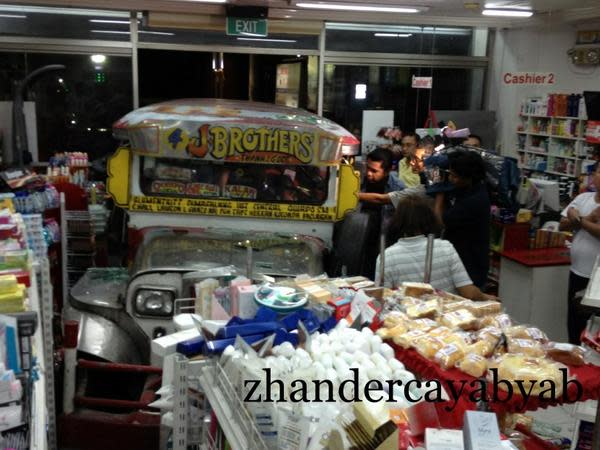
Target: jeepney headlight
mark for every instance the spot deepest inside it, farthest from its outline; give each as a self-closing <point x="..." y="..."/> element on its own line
<point x="154" y="302"/>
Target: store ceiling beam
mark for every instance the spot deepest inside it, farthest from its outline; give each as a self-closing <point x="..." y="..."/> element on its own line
<point x="445" y="12"/>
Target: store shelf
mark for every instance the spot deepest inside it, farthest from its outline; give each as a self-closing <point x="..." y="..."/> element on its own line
<point x="532" y="152"/>
<point x="555" y="136"/>
<point x="564" y="157"/>
<point x="38" y="403"/>
<point x="560" y="173"/>
<point x="551" y="117"/>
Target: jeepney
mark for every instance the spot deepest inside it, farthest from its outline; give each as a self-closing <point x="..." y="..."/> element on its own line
<point x="203" y="180"/>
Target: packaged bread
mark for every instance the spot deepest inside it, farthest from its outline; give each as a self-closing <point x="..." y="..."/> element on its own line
<point x="390" y="333"/>
<point x="487" y="308"/>
<point x="454" y="306"/>
<point x="417" y="289"/>
<point x="527" y="347"/>
<point x="440" y="332"/>
<point x="447" y="356"/>
<point x="524" y="332"/>
<point x="423" y="310"/>
<point x="501" y="321"/>
<point x="394" y="318"/>
<point x="422" y="324"/>
<point x="569" y="354"/>
<point x="408" y="339"/>
<point x="460" y="338"/>
<point x="530" y="372"/>
<point x="428" y="346"/>
<point x="459" y="319"/>
<point x="482" y="348"/>
<point x="473" y="364"/>
<point x="410" y="301"/>
<point x="490" y="334"/>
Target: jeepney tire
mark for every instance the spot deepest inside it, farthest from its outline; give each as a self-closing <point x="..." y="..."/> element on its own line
<point x="349" y="243"/>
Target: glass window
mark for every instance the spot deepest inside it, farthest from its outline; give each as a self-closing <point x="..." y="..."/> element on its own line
<point x="219" y="38"/>
<point x="389" y="88"/>
<point x="399" y="39"/>
<point x="65" y="23"/>
<point x="234" y="181"/>
<point x="75" y="107"/>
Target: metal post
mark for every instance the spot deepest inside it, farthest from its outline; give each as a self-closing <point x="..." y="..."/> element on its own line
<point x="381" y="275"/>
<point x="249" y="260"/>
<point x="70" y="358"/>
<point x="133" y="27"/>
<point x="428" y="259"/>
<point x="321" y="71"/>
<point x="596" y="434"/>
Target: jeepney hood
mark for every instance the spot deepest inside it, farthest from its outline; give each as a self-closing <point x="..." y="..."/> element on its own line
<point x="101" y="288"/>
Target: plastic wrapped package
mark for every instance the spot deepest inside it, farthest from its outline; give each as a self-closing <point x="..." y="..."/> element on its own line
<point x="417" y="289"/>
<point x="487" y="308"/>
<point x="455" y="306"/>
<point x="423" y="310"/>
<point x="461" y="318"/>
<point x="530" y="372"/>
<point x="524" y="332"/>
<point x="422" y="324"/>
<point x="428" y="346"/>
<point x="390" y="333"/>
<point x="482" y="348"/>
<point x="527" y="347"/>
<point x="460" y="338"/>
<point x="394" y="318"/>
<point x="407" y="340"/>
<point x="502" y="321"/>
<point x="473" y="364"/>
<point x="447" y="356"/>
<point x="440" y="332"/>
<point x="569" y="354"/>
<point x="490" y="334"/>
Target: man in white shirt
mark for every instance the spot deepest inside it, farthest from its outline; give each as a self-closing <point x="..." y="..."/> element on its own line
<point x="582" y="216"/>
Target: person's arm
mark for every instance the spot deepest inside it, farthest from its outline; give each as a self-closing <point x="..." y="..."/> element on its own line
<point x="439" y="204"/>
<point x="572" y="221"/>
<point x="462" y="281"/>
<point x="590" y="226"/>
<point x="472" y="292"/>
<point x="371" y="197"/>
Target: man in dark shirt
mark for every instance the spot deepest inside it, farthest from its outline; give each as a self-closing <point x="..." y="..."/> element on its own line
<point x="466" y="213"/>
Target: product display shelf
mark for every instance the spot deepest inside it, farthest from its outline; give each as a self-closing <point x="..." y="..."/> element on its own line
<point x="535" y="131"/>
<point x="229" y="409"/>
<point x="44" y="340"/>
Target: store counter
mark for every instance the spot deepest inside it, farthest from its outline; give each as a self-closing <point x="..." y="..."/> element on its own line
<point x="533" y="287"/>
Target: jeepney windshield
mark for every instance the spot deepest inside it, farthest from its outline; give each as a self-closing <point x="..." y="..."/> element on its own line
<point x="280" y="183"/>
<point x="273" y="254"/>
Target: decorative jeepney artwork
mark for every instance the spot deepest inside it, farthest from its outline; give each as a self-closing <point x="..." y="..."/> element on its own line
<point x="235" y="159"/>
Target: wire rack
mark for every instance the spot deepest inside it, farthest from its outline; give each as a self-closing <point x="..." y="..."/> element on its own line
<point x="236" y="424"/>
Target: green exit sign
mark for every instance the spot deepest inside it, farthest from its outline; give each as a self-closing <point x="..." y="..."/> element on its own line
<point x="240" y="26"/>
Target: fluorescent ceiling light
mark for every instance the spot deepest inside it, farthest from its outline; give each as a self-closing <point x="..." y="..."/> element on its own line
<point x="360" y="91"/>
<point x="110" y="32"/>
<point x="393" y="35"/>
<point x="358" y="7"/>
<point x="118" y="22"/>
<point x="398" y="29"/>
<point x="63" y="11"/>
<point x="12" y="16"/>
<point x="506" y="13"/>
<point x="265" y="39"/>
<point x="127" y="32"/>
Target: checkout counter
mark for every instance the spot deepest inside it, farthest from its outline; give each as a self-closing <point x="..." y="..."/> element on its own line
<point x="533" y="286"/>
